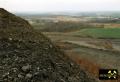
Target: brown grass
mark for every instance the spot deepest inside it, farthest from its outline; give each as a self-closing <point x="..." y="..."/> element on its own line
<point x="89" y="66"/>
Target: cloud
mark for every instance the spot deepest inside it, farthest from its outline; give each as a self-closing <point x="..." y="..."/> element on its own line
<point x="59" y="5"/>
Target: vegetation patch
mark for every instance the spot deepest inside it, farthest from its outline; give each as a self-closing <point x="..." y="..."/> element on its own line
<point x="99" y="33"/>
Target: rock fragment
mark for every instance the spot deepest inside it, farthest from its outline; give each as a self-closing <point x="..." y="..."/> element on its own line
<point x="26" y="68"/>
<point x="29" y="75"/>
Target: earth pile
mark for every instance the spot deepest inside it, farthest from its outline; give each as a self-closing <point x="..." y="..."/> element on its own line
<point x="26" y="55"/>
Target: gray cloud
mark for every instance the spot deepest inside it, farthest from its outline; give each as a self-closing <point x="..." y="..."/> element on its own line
<point x="60" y="5"/>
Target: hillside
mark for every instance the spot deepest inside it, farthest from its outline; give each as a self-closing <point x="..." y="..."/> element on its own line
<point x="27" y="55"/>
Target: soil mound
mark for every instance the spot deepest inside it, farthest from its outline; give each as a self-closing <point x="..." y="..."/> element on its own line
<point x="9" y="20"/>
<point x="28" y="56"/>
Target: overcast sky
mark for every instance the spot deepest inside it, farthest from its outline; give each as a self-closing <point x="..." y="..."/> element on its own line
<point x="60" y="5"/>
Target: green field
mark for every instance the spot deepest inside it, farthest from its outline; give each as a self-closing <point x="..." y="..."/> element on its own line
<point x="99" y="33"/>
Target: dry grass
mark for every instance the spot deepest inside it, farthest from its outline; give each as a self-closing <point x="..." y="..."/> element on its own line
<point x="88" y="65"/>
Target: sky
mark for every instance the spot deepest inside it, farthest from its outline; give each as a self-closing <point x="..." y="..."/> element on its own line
<point x="39" y="6"/>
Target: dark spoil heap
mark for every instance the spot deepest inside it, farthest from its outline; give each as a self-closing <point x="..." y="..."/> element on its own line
<point x="27" y="55"/>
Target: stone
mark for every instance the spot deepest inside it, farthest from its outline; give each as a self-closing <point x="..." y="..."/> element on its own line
<point x="20" y="76"/>
<point x="26" y="68"/>
<point x="29" y="75"/>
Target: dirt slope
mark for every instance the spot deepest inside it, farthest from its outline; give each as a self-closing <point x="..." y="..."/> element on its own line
<point x="28" y="56"/>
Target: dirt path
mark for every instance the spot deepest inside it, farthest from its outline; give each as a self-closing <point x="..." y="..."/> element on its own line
<point x="84" y="43"/>
<point x="105" y="44"/>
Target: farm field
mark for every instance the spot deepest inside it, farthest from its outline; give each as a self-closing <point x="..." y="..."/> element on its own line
<point x="99" y="33"/>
